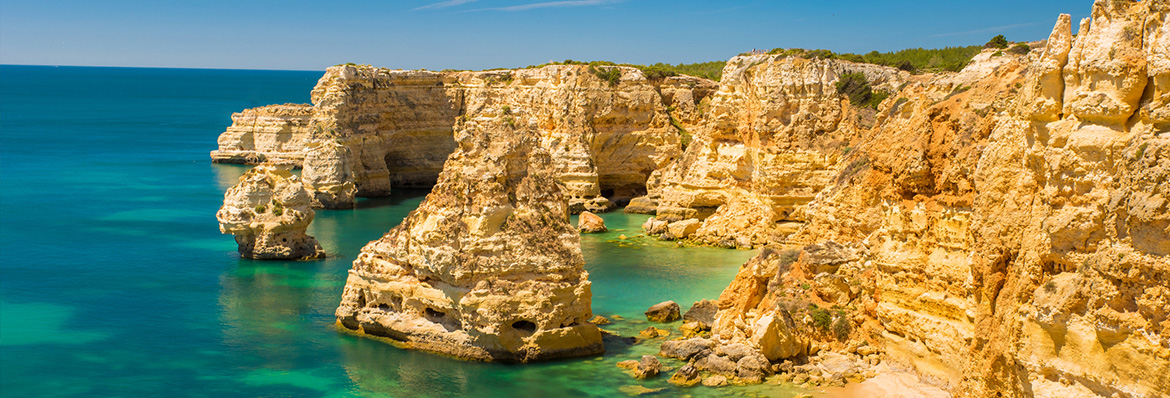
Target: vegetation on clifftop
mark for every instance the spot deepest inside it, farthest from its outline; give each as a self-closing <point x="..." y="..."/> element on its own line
<point x="912" y="60"/>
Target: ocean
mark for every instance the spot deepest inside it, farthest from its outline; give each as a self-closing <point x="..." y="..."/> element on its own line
<point x="115" y="280"/>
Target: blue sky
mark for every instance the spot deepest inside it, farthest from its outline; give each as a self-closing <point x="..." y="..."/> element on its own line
<point x="478" y="34"/>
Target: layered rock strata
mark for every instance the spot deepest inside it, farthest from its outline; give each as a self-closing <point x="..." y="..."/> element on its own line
<point x="606" y="137"/>
<point x="1004" y="228"/>
<point x="268" y="212"/>
<point x="273" y="133"/>
<point x="328" y="172"/>
<point x="771" y="139"/>
<point x="488" y="267"/>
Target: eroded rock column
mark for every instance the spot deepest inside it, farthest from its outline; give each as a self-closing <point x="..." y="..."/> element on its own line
<point x="268" y="212"/>
<point x="488" y="267"/>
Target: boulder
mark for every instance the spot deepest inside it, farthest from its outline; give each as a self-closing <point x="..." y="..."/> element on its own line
<point x="686" y="376"/>
<point x="715" y="381"/>
<point x="664" y="312"/>
<point x="685" y="349"/>
<point x="590" y="223"/>
<point x="777" y="337"/>
<point x="647" y="367"/>
<point x="702" y="311"/>
<point x="682" y="229"/>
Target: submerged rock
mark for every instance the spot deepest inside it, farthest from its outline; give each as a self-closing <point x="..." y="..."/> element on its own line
<point x="488" y="267"/>
<point x="268" y="212"/>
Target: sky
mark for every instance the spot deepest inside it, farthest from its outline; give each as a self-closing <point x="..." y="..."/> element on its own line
<point x="480" y="34"/>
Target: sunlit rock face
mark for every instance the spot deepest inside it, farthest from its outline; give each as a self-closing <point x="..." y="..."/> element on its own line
<point x="268" y="212"/>
<point x="273" y="133"/>
<point x="1012" y="218"/>
<point x="605" y="136"/>
<point x="488" y="267"/>
<point x="771" y="139"/>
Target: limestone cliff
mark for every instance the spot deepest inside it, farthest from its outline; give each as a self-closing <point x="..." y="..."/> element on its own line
<point x="274" y="133"/>
<point x="488" y="267"/>
<point x="1007" y="226"/>
<point x="605" y="137"/>
<point x="771" y="139"/>
<point x="268" y="212"/>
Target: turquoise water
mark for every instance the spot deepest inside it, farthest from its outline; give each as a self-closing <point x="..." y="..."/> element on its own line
<point x="115" y="281"/>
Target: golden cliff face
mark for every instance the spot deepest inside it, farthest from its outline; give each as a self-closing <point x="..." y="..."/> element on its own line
<point x="488" y="267"/>
<point x="771" y="139"/>
<point x="1011" y="222"/>
<point x="273" y="133"/>
<point x="605" y="138"/>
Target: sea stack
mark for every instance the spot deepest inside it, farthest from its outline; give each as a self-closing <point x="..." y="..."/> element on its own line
<point x="488" y="267"/>
<point x="268" y="212"/>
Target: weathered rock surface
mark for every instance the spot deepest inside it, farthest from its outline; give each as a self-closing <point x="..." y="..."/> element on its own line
<point x="605" y="139"/>
<point x="647" y="367"/>
<point x="1003" y="230"/>
<point x="591" y="223"/>
<point x="664" y="312"/>
<point x="268" y="212"/>
<point x="328" y="172"/>
<point x="274" y="133"/>
<point x="488" y="267"/>
<point x="686" y="376"/>
<point x="772" y="139"/>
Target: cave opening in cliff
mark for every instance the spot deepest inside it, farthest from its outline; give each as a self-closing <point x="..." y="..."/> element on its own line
<point x="433" y="314"/>
<point x="524" y="326"/>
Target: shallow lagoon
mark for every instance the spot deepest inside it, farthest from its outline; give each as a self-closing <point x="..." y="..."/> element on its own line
<point x="115" y="281"/>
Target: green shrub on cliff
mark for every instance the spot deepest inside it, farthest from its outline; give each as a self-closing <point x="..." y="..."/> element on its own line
<point x="609" y="74"/>
<point x="1020" y="49"/>
<point x="997" y="42"/>
<point x="912" y="60"/>
<point x="856" y="87"/>
<point x="842" y="327"/>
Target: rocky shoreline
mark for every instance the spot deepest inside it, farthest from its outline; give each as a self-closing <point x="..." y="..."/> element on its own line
<point x="1003" y="230"/>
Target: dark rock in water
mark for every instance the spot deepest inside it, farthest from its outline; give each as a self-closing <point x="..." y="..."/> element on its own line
<point x="702" y="311"/>
<point x="685" y="349"/>
<point x="647" y="367"/>
<point x="667" y="311"/>
<point x="687" y="376"/>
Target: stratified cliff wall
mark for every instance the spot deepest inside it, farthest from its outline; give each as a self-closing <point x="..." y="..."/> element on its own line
<point x="273" y="133"/>
<point x="771" y="139"/>
<point x="605" y="137"/>
<point x="1007" y="227"/>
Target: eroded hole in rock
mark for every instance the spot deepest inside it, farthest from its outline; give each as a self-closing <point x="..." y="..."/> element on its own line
<point x="524" y="326"/>
<point x="432" y="313"/>
<point x="384" y="307"/>
<point x="607" y="193"/>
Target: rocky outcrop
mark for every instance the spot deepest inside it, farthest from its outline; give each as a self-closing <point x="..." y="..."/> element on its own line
<point x="488" y="267"/>
<point x="1003" y="229"/>
<point x="328" y="172"/>
<point x="268" y="212"/>
<point x="273" y="133"/>
<point x="605" y="137"/>
<point x="772" y="139"/>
